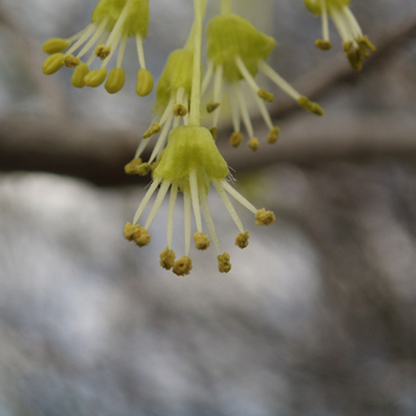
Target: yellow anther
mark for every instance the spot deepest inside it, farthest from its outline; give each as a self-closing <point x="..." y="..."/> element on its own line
<point x="128" y="231"/>
<point x="365" y="41"/>
<point x="70" y="61"/>
<point x="224" y="265"/>
<point x="131" y="167"/>
<point x="355" y="59"/>
<point x="324" y="45"/>
<point x="202" y="241"/>
<point x="180" y="110"/>
<point x="357" y="53"/>
<point x="242" y="239"/>
<point x="236" y="139"/>
<point x="314" y="108"/>
<point x="273" y="135"/>
<point x="348" y="45"/>
<point x="253" y="143"/>
<point x="55" y="45"/>
<point x="95" y="77"/>
<point x="141" y="237"/>
<point x="102" y="51"/>
<point x="144" y="84"/>
<point x="143" y="169"/>
<point x="115" y="80"/>
<point x="214" y="132"/>
<point x="136" y="233"/>
<point x="136" y="167"/>
<point x="265" y="95"/>
<point x="183" y="266"/>
<point x="53" y="63"/>
<point x="264" y="217"/>
<point x="79" y="74"/>
<point x="167" y="258"/>
<point x="153" y="129"/>
<point x="212" y="107"/>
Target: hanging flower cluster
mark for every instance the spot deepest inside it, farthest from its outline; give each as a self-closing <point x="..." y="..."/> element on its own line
<point x="185" y="158"/>
<point x="356" y="46"/>
<point x="112" y="22"/>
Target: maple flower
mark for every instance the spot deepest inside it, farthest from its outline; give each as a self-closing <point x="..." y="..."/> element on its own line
<point x="236" y="52"/>
<point x="190" y="163"/>
<point x="112" y="22"/>
<point x="356" y="46"/>
<point x="173" y="95"/>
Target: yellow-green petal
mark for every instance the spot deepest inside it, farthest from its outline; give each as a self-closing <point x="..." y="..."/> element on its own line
<point x="177" y="73"/>
<point x="230" y="36"/>
<point x="191" y="148"/>
<point x="137" y="20"/>
<point x="315" y="6"/>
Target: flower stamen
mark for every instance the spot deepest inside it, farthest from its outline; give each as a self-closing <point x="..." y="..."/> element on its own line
<point x="324" y="43"/>
<point x="183" y="266"/>
<point x="208" y="219"/>
<point x="146" y="199"/>
<point x="263" y="94"/>
<point x="158" y="203"/>
<point x="288" y="89"/>
<point x="171" y="211"/>
<point x="242" y="239"/>
<point x="219" y="186"/>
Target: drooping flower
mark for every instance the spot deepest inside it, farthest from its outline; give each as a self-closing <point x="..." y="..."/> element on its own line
<point x="173" y="95"/>
<point x="236" y="52"/>
<point x="190" y="163"/>
<point x="112" y="22"/>
<point x="355" y="44"/>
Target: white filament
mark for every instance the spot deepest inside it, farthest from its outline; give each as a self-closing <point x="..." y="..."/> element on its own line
<point x="238" y="197"/>
<point x="158" y="203"/>
<point x="221" y="192"/>
<point x="278" y="80"/>
<point x="172" y="202"/>
<point x="146" y="200"/>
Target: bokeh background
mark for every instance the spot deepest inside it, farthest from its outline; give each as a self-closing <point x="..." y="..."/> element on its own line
<point x="316" y="317"/>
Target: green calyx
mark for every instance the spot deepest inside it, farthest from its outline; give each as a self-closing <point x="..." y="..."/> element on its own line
<point x="177" y="73"/>
<point x="230" y="36"/>
<point x="315" y="6"/>
<point x="191" y="148"/>
<point x="137" y="18"/>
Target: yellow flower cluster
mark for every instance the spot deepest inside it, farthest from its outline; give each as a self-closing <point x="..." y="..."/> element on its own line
<point x="185" y="157"/>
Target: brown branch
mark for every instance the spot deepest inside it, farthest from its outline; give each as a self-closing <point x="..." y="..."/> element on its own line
<point x="99" y="155"/>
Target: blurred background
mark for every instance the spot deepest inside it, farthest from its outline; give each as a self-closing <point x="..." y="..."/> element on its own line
<point x="316" y="317"/>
